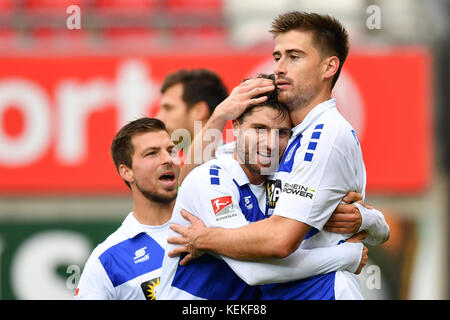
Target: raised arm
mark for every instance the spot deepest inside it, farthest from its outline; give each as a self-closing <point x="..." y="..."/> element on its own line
<point x="204" y="144"/>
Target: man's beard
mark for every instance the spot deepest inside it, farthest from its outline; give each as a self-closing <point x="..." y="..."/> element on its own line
<point x="297" y="98"/>
<point x="155" y="197"/>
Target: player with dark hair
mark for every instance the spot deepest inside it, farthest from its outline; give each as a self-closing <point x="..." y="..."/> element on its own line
<point x="188" y="96"/>
<point x="127" y="265"/>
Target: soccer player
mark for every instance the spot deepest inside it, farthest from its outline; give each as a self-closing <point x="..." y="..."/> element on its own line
<point x="127" y="265"/>
<point x="230" y="192"/>
<point x="188" y="96"/>
<point x="322" y="162"/>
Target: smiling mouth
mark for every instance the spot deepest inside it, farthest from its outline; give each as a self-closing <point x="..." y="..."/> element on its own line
<point x="263" y="154"/>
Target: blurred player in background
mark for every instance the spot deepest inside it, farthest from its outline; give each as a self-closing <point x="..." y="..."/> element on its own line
<point x="322" y="162"/>
<point x="127" y="264"/>
<point x="188" y="96"/>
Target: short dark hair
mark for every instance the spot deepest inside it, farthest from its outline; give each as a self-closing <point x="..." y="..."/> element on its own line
<point x="329" y="35"/>
<point x="121" y="147"/>
<point x="272" y="101"/>
<point x="198" y="85"/>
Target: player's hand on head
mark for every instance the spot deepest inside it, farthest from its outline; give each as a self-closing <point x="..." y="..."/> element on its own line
<point x="187" y="239"/>
<point x="345" y="219"/>
<point x="243" y="96"/>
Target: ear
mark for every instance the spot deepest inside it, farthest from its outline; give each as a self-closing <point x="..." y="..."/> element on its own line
<point x="331" y="66"/>
<point x="199" y="111"/>
<point x="235" y="127"/>
<point x="126" y="173"/>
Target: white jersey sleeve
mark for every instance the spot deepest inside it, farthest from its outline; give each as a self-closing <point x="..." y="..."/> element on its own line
<point x="374" y="224"/>
<point x="301" y="264"/>
<point x="326" y="166"/>
<point x="94" y="282"/>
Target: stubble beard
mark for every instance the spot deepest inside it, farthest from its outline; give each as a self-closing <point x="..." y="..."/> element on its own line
<point x="156" y="197"/>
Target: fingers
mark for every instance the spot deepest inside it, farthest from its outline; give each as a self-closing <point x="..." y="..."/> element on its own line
<point x="176" y="240"/>
<point x="365" y="205"/>
<point x="188" y="216"/>
<point x="177" y="251"/>
<point x="186" y="259"/>
<point x="363" y="261"/>
<point x="178" y="228"/>
<point x="346" y="208"/>
<point x="358" y="237"/>
<point x="352" y="196"/>
<point x="344" y="217"/>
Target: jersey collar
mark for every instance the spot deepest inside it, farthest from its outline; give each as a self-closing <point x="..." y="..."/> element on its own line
<point x="312" y="115"/>
<point x="236" y="170"/>
<point x="131" y="226"/>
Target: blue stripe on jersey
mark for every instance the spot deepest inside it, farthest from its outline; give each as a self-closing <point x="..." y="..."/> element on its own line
<point x="211" y="278"/>
<point x="122" y="264"/>
<point x="308" y="156"/>
<point x="316" y="135"/>
<point x="311" y="233"/>
<point x="287" y="161"/>
<point x="215" y="181"/>
<point x="319" y="126"/>
<point x="312" y="145"/>
<point x="320" y="287"/>
<point x="249" y="203"/>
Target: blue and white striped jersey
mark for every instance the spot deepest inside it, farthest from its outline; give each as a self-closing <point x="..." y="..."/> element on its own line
<point x="323" y="161"/>
<point x="127" y="265"/>
<point x="220" y="194"/>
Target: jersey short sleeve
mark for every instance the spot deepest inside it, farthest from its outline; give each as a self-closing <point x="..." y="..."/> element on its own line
<point x="94" y="282"/>
<point x="327" y="163"/>
<point x="212" y="196"/>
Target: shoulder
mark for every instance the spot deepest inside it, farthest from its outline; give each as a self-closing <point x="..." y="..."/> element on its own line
<point x="333" y="130"/>
<point x="216" y="174"/>
<point x="113" y="239"/>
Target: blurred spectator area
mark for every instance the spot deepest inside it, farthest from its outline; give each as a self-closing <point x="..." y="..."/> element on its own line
<point x="208" y="24"/>
<point x="25" y="23"/>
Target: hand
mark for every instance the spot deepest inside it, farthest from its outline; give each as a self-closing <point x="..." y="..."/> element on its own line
<point x="358" y="237"/>
<point x="353" y="196"/>
<point x="187" y="241"/>
<point x="242" y="96"/>
<point x="345" y="219"/>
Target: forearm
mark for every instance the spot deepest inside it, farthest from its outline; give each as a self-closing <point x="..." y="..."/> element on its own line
<point x="275" y="237"/>
<point x="204" y="144"/>
<point x="299" y="265"/>
<point x="375" y="225"/>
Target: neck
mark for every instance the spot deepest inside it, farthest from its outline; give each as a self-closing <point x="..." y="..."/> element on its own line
<point x="298" y="113"/>
<point x="253" y="177"/>
<point x="150" y="212"/>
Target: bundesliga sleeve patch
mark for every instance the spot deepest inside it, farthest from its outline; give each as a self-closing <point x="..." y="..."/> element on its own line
<point x="223" y="208"/>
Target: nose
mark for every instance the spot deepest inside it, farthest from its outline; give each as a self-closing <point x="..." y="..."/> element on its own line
<point x="166" y="157"/>
<point x="280" y="67"/>
<point x="161" y="115"/>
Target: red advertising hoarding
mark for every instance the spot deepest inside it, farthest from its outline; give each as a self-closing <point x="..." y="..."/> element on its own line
<point x="59" y="114"/>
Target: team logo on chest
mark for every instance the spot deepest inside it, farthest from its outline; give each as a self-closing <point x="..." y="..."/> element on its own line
<point x="273" y="191"/>
<point x="149" y="288"/>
